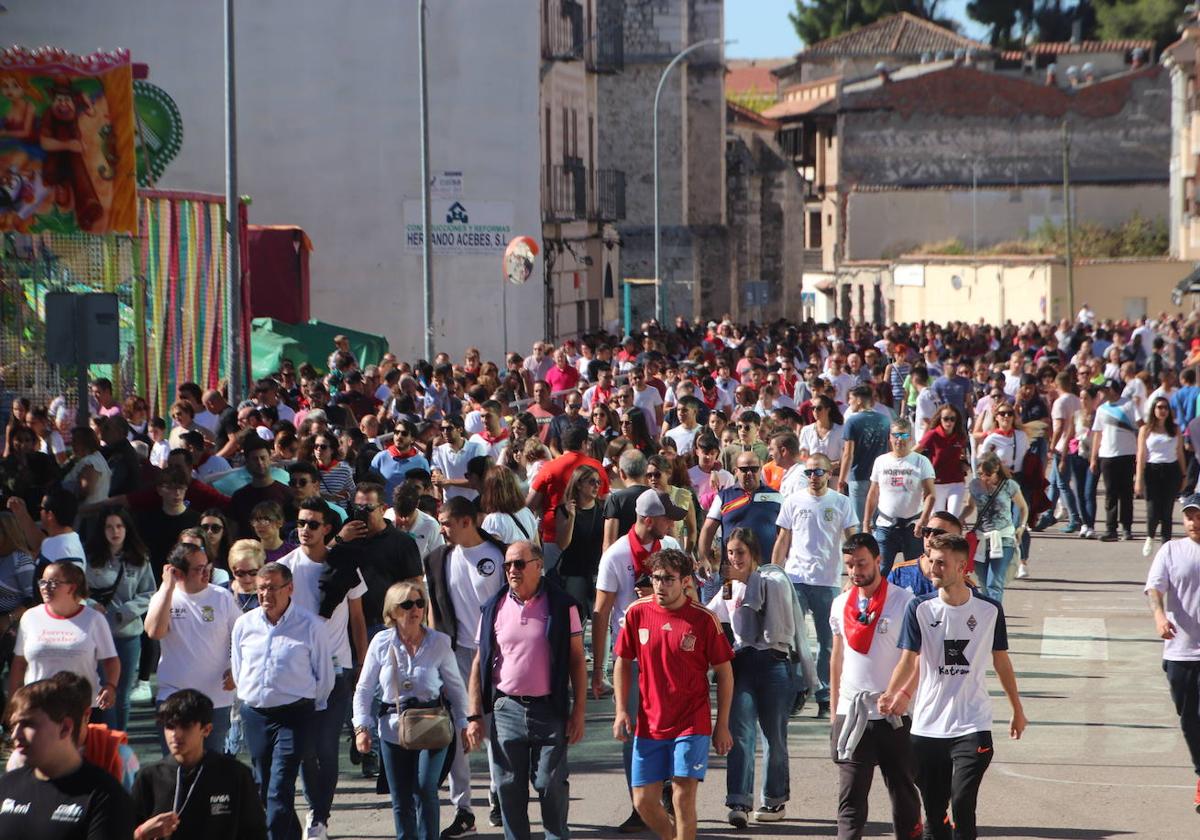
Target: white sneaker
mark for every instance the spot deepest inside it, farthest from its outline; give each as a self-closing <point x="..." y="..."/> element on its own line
<point x="141" y="693"/>
<point x="1148" y="547"/>
<point x="316" y="831"/>
<point x="1022" y="571"/>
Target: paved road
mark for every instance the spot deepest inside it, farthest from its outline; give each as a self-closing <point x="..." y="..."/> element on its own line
<point x="1102" y="758"/>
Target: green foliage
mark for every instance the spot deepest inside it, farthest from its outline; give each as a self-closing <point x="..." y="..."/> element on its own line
<point x="755" y="100"/>
<point x="1136" y="237"/>
<point x="1010" y="21"/>
<point x="1154" y="19"/>
<point x="816" y="20"/>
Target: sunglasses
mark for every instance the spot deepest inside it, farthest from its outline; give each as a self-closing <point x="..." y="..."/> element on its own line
<point x="245" y="573"/>
<point x="932" y="532"/>
<point x="320" y="446"/>
<point x="310" y="524"/>
<point x="213" y="528"/>
<point x="419" y="603"/>
<point x="519" y="565"/>
<point x="748" y="470"/>
<point x="653" y="474"/>
<point x="901" y="435"/>
<point x="816" y="472"/>
<point x="1005" y="414"/>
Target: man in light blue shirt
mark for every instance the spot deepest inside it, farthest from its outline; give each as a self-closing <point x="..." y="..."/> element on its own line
<point x="284" y="674"/>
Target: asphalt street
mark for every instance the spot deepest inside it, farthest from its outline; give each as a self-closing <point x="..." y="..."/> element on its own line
<point x="1102" y="757"/>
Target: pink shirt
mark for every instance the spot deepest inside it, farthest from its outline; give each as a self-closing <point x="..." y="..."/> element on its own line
<point x="522" y="647"/>
<point x="562" y="380"/>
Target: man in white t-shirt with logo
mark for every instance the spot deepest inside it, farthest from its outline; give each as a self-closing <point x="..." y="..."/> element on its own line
<point x="811" y="526"/>
<point x="952" y="636"/>
<point x="901" y="497"/>
<point x="1114" y="457"/>
<point x="624" y="569"/>
<point x="193" y="620"/>
<point x="866" y="621"/>
<point x="315" y="524"/>
<point x="1173" y="587"/>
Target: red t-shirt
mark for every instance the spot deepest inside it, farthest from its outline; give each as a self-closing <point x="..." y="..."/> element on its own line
<point x="946" y="454"/>
<point x="674" y="649"/>
<point x="551" y="481"/>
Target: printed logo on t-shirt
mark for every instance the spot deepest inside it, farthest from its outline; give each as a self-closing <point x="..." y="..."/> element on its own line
<point x="828" y="514"/>
<point x="68" y="813"/>
<point x="207" y="614"/>
<point x="644" y="635"/>
<point x="972" y="623"/>
<point x="955" y="656"/>
<point x="667" y="627"/>
<point x="688" y="642"/>
<point x="219" y="804"/>
<point x="11" y="806"/>
<point x="882" y="627"/>
<point x="486" y="567"/>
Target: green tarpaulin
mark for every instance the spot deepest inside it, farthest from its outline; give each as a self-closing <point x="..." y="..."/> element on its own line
<point x="272" y="340"/>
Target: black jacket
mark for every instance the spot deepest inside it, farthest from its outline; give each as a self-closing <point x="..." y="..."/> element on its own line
<point x="224" y="803"/>
<point x="382" y="559"/>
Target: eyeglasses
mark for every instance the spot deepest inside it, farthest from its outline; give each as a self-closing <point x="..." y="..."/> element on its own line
<point x="202" y="568"/>
<point x="519" y="565"/>
<point x="310" y="524"/>
<point x="419" y="603"/>
<point x="932" y="532"/>
<point x="748" y="470"/>
<point x="213" y="527"/>
<point x="50" y="585"/>
<point x="245" y="573"/>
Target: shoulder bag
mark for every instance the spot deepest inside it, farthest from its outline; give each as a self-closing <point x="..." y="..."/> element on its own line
<point x="420" y="727"/>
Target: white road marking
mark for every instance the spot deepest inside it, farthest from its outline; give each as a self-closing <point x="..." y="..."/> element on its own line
<point x="1003" y="769"/>
<point x="1074" y="638"/>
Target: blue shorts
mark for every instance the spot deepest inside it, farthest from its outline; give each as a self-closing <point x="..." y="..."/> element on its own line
<point x="655" y="761"/>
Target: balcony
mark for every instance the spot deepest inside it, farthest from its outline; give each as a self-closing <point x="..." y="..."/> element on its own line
<point x="562" y="30"/>
<point x="566" y="196"/>
<point x="606" y="48"/>
<point x="608" y="196"/>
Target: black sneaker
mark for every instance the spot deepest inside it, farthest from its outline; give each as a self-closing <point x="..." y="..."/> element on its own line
<point x="495" y="818"/>
<point x="801" y="702"/>
<point x="1109" y="538"/>
<point x="822" y="708"/>
<point x="1128" y="535"/>
<point x="739" y="816"/>
<point x="633" y="824"/>
<point x="464" y="824"/>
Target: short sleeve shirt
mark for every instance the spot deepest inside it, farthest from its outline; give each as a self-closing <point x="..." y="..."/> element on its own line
<point x="870" y="671"/>
<point x="817" y="524"/>
<point x="1175" y="572"/>
<point x="522" y="663"/>
<point x="52" y="644"/>
<point x="674" y="650"/>
<point x="900" y="483"/>
<point x="955" y="645"/>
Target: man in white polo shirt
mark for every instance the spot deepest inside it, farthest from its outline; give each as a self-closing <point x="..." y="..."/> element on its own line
<point x="623" y="570"/>
<point x="952" y="636"/>
<point x="1173" y="587"/>
<point x="811" y="526"/>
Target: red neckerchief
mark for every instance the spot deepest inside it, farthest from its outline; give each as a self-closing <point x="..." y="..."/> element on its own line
<point x="859" y="633"/>
<point x="334" y="463"/>
<point x="401" y="456"/>
<point x="640" y="554"/>
<point x="1010" y="433"/>
<point x="602" y="396"/>
<point x="710" y="396"/>
<point x="493" y="440"/>
<point x="595" y="430"/>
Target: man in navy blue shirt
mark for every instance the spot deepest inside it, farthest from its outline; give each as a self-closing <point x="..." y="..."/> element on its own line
<point x="865" y="437"/>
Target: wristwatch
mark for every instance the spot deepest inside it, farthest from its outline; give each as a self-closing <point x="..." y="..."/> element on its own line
<point x="473" y="718"/>
<point x="338" y="539"/>
<point x="358" y="730"/>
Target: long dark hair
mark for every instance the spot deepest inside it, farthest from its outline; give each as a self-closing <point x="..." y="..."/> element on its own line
<point x="640" y="433"/>
<point x="221" y="561"/>
<point x="1169" y="425"/>
<point x="133" y="551"/>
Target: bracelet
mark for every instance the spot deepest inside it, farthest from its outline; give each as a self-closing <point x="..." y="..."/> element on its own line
<point x="359" y="730"/>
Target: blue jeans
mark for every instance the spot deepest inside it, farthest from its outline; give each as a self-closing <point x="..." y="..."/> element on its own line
<point x="129" y="652"/>
<point x="277" y="740"/>
<point x="1085" y="488"/>
<point x="858" y="498"/>
<point x="763" y="686"/>
<point x="897" y="539"/>
<point x="412" y="777"/>
<point x="215" y="740"/>
<point x="817" y="601"/>
<point x="992" y="571"/>
<point x="319" y="770"/>
<point x="1060" y="486"/>
<point x="529" y="743"/>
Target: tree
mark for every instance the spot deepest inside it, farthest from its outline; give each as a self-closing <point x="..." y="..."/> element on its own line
<point x="1010" y="22"/>
<point x="816" y="20"/>
<point x="1154" y="19"/>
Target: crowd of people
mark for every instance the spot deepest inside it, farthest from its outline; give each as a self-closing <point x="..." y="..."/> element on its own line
<point x="443" y="556"/>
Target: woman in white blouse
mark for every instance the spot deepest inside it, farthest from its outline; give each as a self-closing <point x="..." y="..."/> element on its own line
<point x="409" y="665"/>
<point x="824" y="436"/>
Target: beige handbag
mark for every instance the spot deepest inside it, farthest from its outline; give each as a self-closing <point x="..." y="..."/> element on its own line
<point x="420" y="728"/>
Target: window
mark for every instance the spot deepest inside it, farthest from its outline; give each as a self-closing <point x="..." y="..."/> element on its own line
<point x="814" y="229"/>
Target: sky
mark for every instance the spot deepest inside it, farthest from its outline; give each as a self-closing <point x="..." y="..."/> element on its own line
<point x="762" y="29"/>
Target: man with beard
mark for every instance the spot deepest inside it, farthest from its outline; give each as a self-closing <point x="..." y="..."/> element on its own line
<point x="866" y="620"/>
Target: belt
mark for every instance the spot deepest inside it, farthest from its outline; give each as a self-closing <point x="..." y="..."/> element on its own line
<point x="297" y="706"/>
<point x="390" y="708"/>
<point x="523" y="699"/>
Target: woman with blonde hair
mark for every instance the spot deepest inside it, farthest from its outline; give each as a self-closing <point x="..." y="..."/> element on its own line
<point x="994" y="495"/>
<point x="410" y="666"/>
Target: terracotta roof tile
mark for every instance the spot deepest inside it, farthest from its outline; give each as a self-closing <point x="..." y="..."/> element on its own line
<point x="899" y="34"/>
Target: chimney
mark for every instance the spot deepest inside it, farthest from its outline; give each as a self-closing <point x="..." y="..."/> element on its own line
<point x="882" y="71"/>
<point x="1077" y="32"/>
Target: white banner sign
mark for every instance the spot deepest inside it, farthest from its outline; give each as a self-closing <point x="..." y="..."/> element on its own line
<point x="460" y="227"/>
<point x="908" y="275"/>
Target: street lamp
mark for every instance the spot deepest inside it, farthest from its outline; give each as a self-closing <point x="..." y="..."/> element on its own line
<point x="659" y="312"/>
